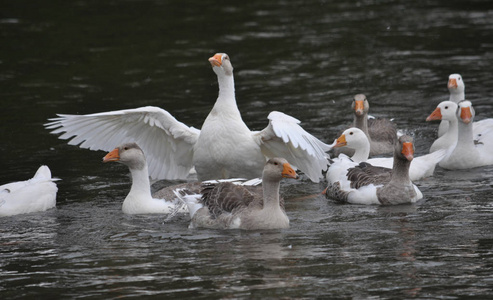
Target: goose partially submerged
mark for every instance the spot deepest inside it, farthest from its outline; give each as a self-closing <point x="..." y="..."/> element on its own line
<point x="473" y="146"/>
<point x="139" y="200"/>
<point x="228" y="206"/>
<point x="381" y="132"/>
<point x="456" y="88"/>
<point x="223" y="148"/>
<point x="367" y="184"/>
<point x="33" y="195"/>
<point x="354" y="138"/>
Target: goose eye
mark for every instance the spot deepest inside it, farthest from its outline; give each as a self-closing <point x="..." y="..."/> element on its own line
<point x="446" y="107"/>
<point x="275" y="163"/>
<point x="125" y="148"/>
<point x="351" y="133"/>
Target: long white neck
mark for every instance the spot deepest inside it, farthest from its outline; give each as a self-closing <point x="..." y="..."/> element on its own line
<point x="457" y="96"/>
<point x="226" y="97"/>
<point x="362" y="152"/>
<point x="141" y="188"/>
<point x="465" y="139"/>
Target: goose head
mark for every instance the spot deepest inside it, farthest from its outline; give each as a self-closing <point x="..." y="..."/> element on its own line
<point x="353" y="138"/>
<point x="444" y="111"/>
<point x="465" y="112"/>
<point x="221" y="64"/>
<point x="277" y="168"/>
<point x="455" y="84"/>
<point x="404" y="148"/>
<point x="128" y="154"/>
<point x="360" y="105"/>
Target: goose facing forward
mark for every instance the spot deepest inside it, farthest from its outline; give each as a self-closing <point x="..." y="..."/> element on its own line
<point x="223" y="148"/>
<point x="456" y="88"/>
<point x="228" y="206"/>
<point x="473" y="146"/>
<point x="366" y="184"/>
<point x="381" y="132"/>
<point x="33" y="195"/>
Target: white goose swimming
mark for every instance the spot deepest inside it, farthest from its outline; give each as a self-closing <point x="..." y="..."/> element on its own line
<point x="471" y="149"/>
<point x="456" y="88"/>
<point x="33" y="195"/>
<point x="139" y="200"/>
<point x="367" y="184"/>
<point x="354" y="138"/>
<point x="381" y="133"/>
<point x="446" y="110"/>
<point x="229" y="206"/>
<point x="223" y="148"/>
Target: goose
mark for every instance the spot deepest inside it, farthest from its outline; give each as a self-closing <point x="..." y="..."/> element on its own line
<point x="471" y="149"/>
<point x="456" y="88"/>
<point x="381" y="132"/>
<point x="223" y="148"/>
<point x="33" y="195"/>
<point x="354" y="138"/>
<point x="366" y="184"/>
<point x="140" y="200"/>
<point x="446" y="110"/>
<point x="228" y="206"/>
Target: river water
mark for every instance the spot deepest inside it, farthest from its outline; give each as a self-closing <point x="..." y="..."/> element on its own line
<point x="305" y="58"/>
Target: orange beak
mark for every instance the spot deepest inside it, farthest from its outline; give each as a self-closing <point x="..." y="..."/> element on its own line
<point x="452" y="83"/>
<point x="112" y="156"/>
<point x="359" y="107"/>
<point x="408" y="151"/>
<point x="341" y="141"/>
<point x="465" y="114"/>
<point x="216" y="60"/>
<point x="435" y="115"/>
<point x="288" y="172"/>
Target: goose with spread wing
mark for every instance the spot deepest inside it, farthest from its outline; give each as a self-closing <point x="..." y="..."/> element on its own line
<point x="229" y="206"/>
<point x="33" y="195"/>
<point x="223" y="148"/>
<point x="367" y="184"/>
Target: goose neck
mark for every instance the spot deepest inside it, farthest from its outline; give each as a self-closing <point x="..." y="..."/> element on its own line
<point x="140" y="181"/>
<point x="271" y="194"/>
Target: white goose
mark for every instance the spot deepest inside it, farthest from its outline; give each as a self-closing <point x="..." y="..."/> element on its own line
<point x="366" y="184"/>
<point x="446" y="111"/>
<point x="229" y="206"/>
<point x="223" y="148"/>
<point x="33" y="195"/>
<point x="456" y="88"/>
<point x="354" y="138"/>
<point x="381" y="133"/>
<point x="471" y="150"/>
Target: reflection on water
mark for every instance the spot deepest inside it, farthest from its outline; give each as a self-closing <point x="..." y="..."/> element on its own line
<point x="305" y="59"/>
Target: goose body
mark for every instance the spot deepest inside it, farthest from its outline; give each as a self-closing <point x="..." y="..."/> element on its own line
<point x="471" y="149"/>
<point x="354" y="138"/>
<point x="223" y="148"/>
<point x="367" y="184"/>
<point x="456" y="88"/>
<point x="381" y="133"/>
<point x="228" y="206"/>
<point x="33" y="195"/>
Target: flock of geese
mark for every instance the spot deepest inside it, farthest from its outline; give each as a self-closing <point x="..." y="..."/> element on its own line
<point x="240" y="170"/>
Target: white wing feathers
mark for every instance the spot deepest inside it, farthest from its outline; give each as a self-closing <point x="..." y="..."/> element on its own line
<point x="167" y="143"/>
<point x="284" y="137"/>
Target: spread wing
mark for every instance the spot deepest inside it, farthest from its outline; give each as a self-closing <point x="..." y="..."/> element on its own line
<point x="166" y="142"/>
<point x="284" y="137"/>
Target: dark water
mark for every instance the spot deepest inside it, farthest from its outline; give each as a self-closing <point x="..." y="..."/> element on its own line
<point x="304" y="58"/>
